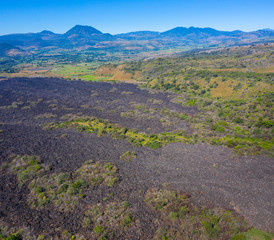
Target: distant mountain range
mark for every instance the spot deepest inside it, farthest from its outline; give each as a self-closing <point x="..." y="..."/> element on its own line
<point x="85" y="37"/>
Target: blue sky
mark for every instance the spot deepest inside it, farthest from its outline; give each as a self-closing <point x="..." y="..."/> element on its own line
<point x="119" y="16"/>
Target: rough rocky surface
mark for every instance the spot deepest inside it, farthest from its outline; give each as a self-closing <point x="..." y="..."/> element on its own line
<point x="213" y="175"/>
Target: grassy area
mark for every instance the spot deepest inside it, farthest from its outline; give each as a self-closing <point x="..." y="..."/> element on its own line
<point x="232" y="134"/>
<point x="101" y="127"/>
<point x="84" y="71"/>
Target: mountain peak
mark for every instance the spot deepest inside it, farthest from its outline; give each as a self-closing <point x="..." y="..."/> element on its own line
<point x="46" y="32"/>
<point x="267" y="29"/>
<point x="83" y="30"/>
<point x="183" y="31"/>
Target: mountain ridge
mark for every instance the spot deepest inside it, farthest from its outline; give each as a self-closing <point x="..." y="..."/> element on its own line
<point x="80" y="35"/>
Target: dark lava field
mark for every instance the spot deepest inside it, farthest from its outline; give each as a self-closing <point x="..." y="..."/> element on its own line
<point x="114" y="199"/>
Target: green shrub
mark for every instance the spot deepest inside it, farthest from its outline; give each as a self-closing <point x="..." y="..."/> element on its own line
<point x="103" y="237"/>
<point x="253" y="234"/>
<point x="108" y="166"/>
<point x="111" y="181"/>
<point x="257" y="131"/>
<point x="173" y="216"/>
<point x="79" y="183"/>
<point x="63" y="188"/>
<point x="238" y="120"/>
<point x="220" y="129"/>
<point x="212" y="227"/>
<point x="62" y="178"/>
<point x="223" y="123"/>
<point x="72" y="190"/>
<point x="127" y="220"/>
<point x="183" y="211"/>
<point x="217" y="128"/>
<point x="98" y="229"/>
<point x="38" y="190"/>
<point x="154" y="144"/>
<point x="126" y="204"/>
<point x="128" y="156"/>
<point x="267" y="123"/>
<point x="41" y="237"/>
<point x="14" y="236"/>
<point x="23" y="177"/>
<point x="191" y="102"/>
<point x="231" y="143"/>
<point x="239" y="236"/>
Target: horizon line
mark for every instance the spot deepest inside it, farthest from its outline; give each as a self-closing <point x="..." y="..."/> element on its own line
<point x="267" y="28"/>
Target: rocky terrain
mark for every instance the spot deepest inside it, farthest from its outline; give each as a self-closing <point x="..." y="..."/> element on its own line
<point x="129" y="188"/>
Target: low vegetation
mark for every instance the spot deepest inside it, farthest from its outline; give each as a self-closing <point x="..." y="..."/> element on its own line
<point x="207" y="129"/>
<point x="26" y="168"/>
<point x="232" y="88"/>
<point x="128" y="156"/>
<point x="245" y="126"/>
<point x="175" y="216"/>
<point x="63" y="190"/>
<point x="10" y="236"/>
<point x="108" y="221"/>
<point x="181" y="219"/>
<point x="101" y="127"/>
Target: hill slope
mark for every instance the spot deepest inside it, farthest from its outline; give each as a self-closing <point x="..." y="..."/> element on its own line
<point x="7" y="50"/>
<point x="223" y="83"/>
